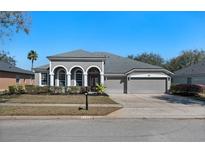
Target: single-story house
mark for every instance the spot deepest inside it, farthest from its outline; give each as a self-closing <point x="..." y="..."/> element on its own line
<point x="118" y="74"/>
<point x="11" y="75"/>
<point x="194" y="74"/>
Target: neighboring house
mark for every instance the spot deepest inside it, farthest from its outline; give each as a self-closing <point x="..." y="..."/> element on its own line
<point x="118" y="74"/>
<point x="11" y="75"/>
<point x="194" y="74"/>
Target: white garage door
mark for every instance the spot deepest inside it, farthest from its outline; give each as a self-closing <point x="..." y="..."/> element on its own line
<point x="143" y="85"/>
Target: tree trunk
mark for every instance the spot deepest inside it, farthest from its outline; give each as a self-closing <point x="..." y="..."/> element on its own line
<point x="32" y="65"/>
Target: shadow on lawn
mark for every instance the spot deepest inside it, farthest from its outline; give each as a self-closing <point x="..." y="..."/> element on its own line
<point x="186" y="100"/>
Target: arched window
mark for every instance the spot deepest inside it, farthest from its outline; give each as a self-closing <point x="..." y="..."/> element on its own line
<point x="79" y="78"/>
<point x="61" y="78"/>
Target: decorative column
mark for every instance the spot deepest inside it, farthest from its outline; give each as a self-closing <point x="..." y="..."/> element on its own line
<point x="51" y="79"/>
<point x="68" y="79"/>
<point x="85" y="79"/>
<point x="102" y="78"/>
<point x="39" y="79"/>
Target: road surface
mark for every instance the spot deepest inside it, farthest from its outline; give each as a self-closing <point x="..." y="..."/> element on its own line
<point x="103" y="130"/>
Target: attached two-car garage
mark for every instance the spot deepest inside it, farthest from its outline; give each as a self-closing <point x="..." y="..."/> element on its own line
<point x="138" y="83"/>
<point x="146" y="85"/>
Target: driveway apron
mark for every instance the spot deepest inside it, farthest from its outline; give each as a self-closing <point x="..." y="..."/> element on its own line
<point x="157" y="106"/>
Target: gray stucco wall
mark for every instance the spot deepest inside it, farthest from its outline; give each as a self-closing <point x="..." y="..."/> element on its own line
<point x="70" y="64"/>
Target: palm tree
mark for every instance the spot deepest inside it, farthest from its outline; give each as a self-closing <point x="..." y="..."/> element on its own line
<point x="32" y="55"/>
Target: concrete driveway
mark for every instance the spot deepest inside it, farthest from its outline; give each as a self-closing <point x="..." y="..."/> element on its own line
<point x="157" y="106"/>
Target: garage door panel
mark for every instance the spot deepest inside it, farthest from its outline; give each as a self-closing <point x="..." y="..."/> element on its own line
<point x="114" y="85"/>
<point x="136" y="85"/>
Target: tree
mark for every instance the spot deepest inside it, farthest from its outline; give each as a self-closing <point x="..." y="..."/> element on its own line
<point x="185" y="59"/>
<point x="32" y="55"/>
<point x="13" y="21"/>
<point x="150" y="58"/>
<point x="4" y="56"/>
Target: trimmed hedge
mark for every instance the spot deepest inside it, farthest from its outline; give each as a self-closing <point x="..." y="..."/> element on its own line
<point x="16" y="89"/>
<point x="33" y="89"/>
<point x="187" y="89"/>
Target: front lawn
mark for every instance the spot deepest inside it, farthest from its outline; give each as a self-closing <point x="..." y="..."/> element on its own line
<point x="55" y="99"/>
<point x="53" y="111"/>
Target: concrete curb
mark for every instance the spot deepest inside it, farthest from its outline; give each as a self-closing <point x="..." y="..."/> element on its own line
<point x="96" y="117"/>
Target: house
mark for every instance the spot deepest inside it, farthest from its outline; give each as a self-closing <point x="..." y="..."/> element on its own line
<point x="118" y="74"/>
<point x="194" y="74"/>
<point x="11" y="75"/>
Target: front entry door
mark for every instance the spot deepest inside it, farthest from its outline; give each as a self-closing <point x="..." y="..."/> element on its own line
<point x="93" y="81"/>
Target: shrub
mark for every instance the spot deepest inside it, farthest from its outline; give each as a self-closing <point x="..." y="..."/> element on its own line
<point x="57" y="90"/>
<point x="83" y="90"/>
<point x="20" y="89"/>
<point x="30" y="89"/>
<point x="12" y="89"/>
<point x="100" y="88"/>
<point x="42" y="90"/>
<point x="187" y="89"/>
<point x="74" y="90"/>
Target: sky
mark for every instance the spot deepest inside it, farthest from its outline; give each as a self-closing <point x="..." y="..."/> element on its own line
<point x="122" y="33"/>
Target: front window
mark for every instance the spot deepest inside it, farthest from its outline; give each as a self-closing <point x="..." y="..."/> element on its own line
<point x="61" y="78"/>
<point x="44" y="78"/>
<point x="17" y="79"/>
<point x="79" y="78"/>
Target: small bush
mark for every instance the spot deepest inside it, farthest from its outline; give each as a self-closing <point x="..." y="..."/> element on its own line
<point x="30" y="89"/>
<point x="57" y="90"/>
<point x="20" y="89"/>
<point x="12" y="89"/>
<point x="100" y="88"/>
<point x="42" y="90"/>
<point x="83" y="90"/>
<point x="74" y="90"/>
<point x="187" y="89"/>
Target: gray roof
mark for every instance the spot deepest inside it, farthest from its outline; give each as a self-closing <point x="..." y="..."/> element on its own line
<point x="42" y="68"/>
<point x="195" y="69"/>
<point x="120" y="65"/>
<point x="6" y="67"/>
<point x="114" y="64"/>
<point x="79" y="53"/>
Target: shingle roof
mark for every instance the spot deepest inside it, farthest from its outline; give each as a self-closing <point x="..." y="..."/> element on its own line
<point x="114" y="64"/>
<point x="117" y="64"/>
<point x="79" y="53"/>
<point x="6" y="67"/>
<point x="194" y="69"/>
<point x="41" y="68"/>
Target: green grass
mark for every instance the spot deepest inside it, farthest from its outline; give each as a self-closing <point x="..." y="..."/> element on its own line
<point x="55" y="99"/>
<point x="53" y="111"/>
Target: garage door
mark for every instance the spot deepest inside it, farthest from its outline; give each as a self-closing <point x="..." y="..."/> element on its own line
<point x="114" y="85"/>
<point x="137" y="85"/>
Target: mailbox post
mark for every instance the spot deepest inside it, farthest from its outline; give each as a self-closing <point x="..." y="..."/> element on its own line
<point x="86" y="103"/>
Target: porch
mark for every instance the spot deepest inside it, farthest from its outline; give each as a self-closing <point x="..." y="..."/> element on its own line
<point x="76" y="76"/>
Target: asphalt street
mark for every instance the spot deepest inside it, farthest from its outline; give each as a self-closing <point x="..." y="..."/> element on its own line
<point x="103" y="130"/>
